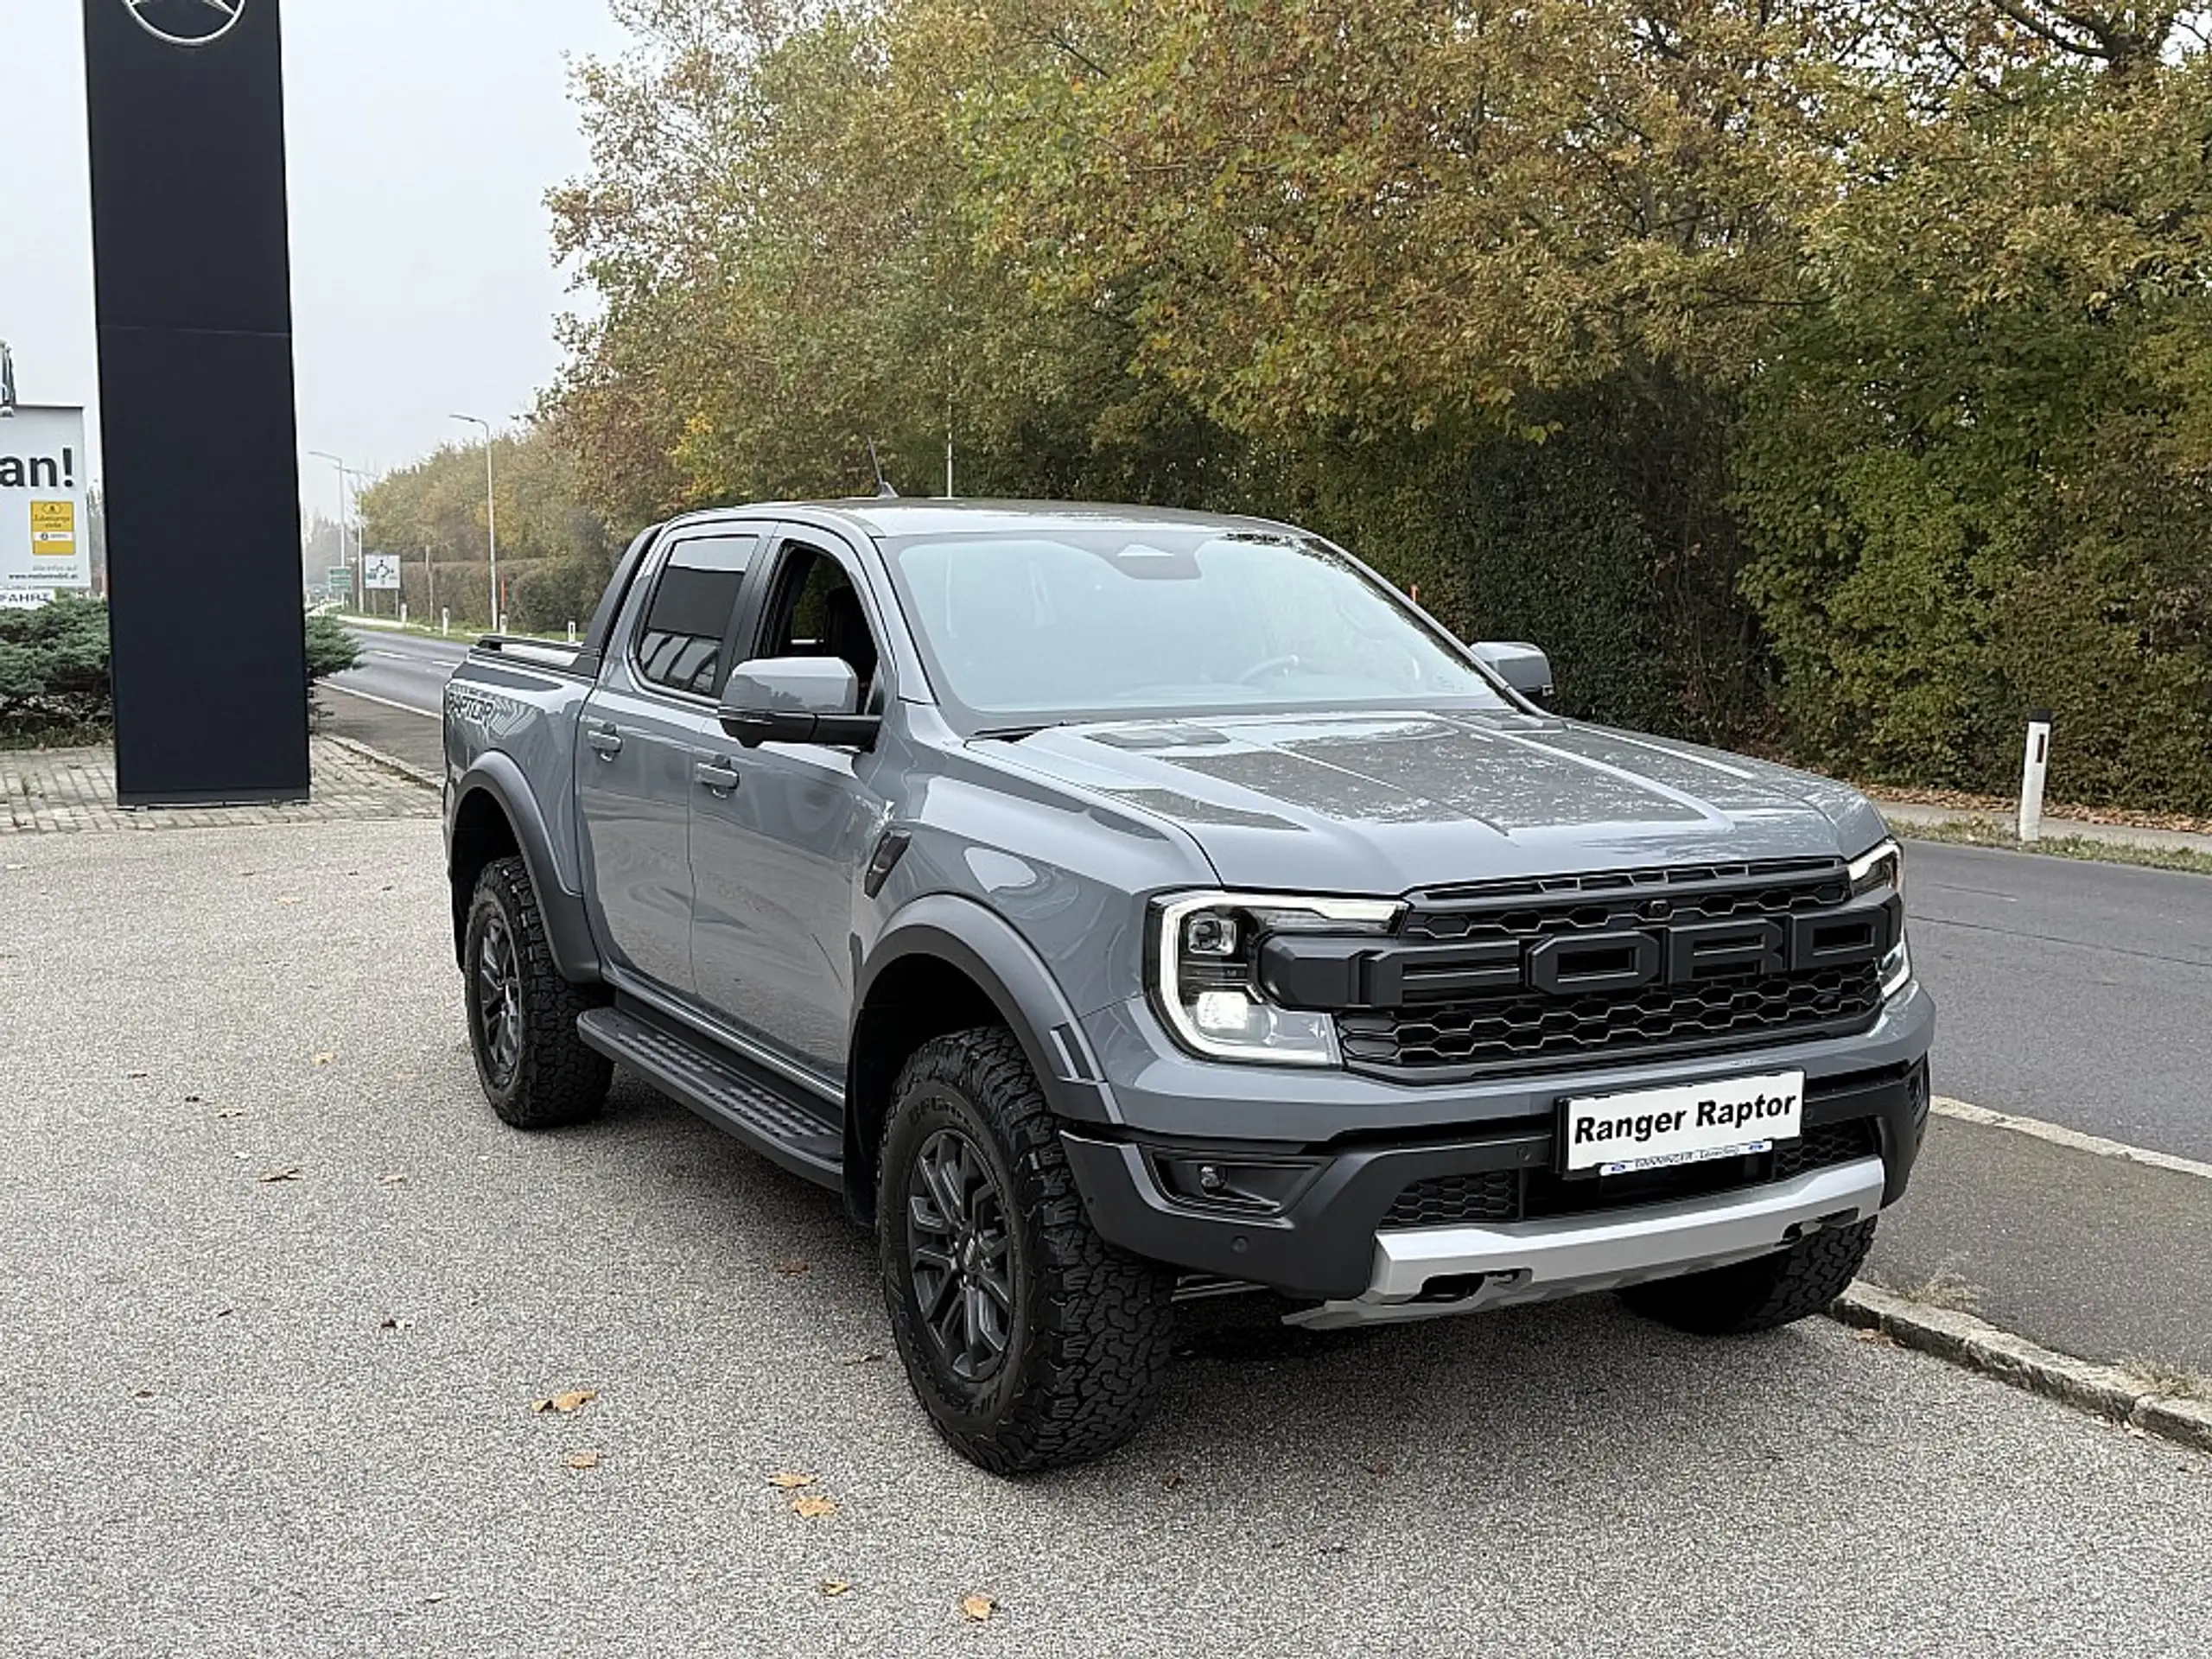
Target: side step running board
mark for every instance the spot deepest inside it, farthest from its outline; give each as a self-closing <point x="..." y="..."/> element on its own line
<point x="767" y="1119"/>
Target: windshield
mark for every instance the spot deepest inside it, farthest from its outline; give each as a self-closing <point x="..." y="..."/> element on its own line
<point x="1033" y="627"/>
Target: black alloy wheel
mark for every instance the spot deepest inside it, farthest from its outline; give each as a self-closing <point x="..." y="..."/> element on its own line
<point x="1031" y="1342"/>
<point x="538" y="1071"/>
<point x="959" y="1250"/>
<point x="498" y="1003"/>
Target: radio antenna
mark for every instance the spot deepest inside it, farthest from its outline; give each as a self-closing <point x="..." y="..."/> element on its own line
<point x="883" y="489"/>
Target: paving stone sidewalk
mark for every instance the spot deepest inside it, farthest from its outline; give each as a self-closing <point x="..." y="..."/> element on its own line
<point x="72" y="791"/>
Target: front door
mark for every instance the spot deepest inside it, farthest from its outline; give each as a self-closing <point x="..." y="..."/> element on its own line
<point x="637" y="744"/>
<point x="776" y="858"/>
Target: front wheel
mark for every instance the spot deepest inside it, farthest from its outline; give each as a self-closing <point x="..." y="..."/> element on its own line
<point x="536" y="1069"/>
<point x="1032" y="1343"/>
<point x="1763" y="1293"/>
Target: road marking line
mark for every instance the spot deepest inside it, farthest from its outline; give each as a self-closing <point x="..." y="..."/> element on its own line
<point x="403" y="708"/>
<point x="2059" y="1134"/>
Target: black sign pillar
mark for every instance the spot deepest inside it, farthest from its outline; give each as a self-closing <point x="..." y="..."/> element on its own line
<point x="199" y="449"/>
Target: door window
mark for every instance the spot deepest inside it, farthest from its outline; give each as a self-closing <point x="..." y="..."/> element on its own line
<point x="817" y="612"/>
<point x="680" y="647"/>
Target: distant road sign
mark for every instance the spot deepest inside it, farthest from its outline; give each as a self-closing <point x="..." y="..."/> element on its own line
<point x="45" y="542"/>
<point x="339" y="582"/>
<point x="380" y="571"/>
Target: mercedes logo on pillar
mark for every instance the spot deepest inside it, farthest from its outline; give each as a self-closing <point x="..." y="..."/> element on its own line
<point x="187" y="23"/>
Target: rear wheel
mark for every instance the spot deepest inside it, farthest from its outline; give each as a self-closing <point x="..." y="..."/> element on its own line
<point x="1032" y="1343"/>
<point x="1761" y="1294"/>
<point x="522" y="1015"/>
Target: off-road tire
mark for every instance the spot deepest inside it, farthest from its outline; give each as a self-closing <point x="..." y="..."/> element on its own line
<point x="1087" y="1345"/>
<point x="553" y="1079"/>
<point x="1764" y="1293"/>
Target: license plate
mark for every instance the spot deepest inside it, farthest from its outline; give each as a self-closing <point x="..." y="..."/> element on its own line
<point x="1617" y="1135"/>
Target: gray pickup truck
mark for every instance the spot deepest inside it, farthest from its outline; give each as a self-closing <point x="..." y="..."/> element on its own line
<point x="1121" y="905"/>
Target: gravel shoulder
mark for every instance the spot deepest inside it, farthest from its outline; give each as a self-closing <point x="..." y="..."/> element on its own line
<point x="295" y="1416"/>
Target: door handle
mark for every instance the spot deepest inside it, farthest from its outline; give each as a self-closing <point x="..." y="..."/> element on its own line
<point x="605" y="742"/>
<point x="716" y="775"/>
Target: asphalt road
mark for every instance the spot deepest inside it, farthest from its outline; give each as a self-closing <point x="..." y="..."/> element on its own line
<point x="2074" y="992"/>
<point x="252" y="1416"/>
<point x="410" y="669"/>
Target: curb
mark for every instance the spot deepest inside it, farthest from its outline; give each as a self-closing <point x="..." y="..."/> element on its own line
<point x="413" y="774"/>
<point x="1981" y="1346"/>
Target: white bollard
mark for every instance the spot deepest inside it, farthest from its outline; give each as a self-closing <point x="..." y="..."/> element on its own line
<point x="403" y="613"/>
<point x="2035" y="764"/>
<point x="445" y="620"/>
<point x="572" y="633"/>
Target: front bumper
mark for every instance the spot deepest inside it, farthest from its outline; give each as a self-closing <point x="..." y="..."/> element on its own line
<point x="1431" y="1270"/>
<point x="1314" y="1221"/>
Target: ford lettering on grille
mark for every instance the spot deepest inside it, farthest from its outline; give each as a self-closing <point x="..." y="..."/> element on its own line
<point x="1478" y="984"/>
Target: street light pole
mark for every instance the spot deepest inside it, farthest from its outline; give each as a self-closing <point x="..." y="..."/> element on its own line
<point x="491" y="511"/>
<point x="343" y="562"/>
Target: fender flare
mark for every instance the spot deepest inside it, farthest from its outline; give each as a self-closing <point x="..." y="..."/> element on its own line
<point x="984" y="945"/>
<point x="567" y="925"/>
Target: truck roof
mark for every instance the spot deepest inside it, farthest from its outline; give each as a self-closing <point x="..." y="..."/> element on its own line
<point x="895" y="516"/>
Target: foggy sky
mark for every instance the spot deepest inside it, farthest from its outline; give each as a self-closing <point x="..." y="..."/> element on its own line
<point x="422" y="135"/>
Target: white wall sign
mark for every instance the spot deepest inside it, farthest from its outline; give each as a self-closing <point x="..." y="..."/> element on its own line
<point x="45" y="541"/>
<point x="380" y="571"/>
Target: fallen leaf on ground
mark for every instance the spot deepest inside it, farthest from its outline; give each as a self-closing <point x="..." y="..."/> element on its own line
<point x="1384" y="1469"/>
<point x="869" y="1358"/>
<point x="835" y="1586"/>
<point x="1171" y="1481"/>
<point x="289" y="1172"/>
<point x="288" y="902"/>
<point x="391" y="1322"/>
<point x="192" y="1100"/>
<point x="1883" y="1338"/>
<point x="142" y="1394"/>
<point x="572" y="1400"/>
<point x="393" y="1180"/>
<point x="811" y="1506"/>
<point x="978" y="1608"/>
<point x="230" y="1111"/>
<point x="790" y="1269"/>
<point x="324" y="1058"/>
<point x="787" y="1479"/>
<point x="134" y="1074"/>
<point x="583" y="1459"/>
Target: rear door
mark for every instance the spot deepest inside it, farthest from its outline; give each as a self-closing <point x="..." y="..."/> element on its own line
<point x="779" y="850"/>
<point x="639" y="740"/>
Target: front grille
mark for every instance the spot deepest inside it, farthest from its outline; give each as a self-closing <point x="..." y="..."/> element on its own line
<point x="1518" y="1195"/>
<point x="1496" y="1031"/>
<point x="1439" y="1028"/>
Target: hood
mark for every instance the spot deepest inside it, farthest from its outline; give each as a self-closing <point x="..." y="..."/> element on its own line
<point x="1385" y="804"/>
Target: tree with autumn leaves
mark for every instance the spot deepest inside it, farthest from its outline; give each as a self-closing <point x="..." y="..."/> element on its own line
<point x="1834" y="378"/>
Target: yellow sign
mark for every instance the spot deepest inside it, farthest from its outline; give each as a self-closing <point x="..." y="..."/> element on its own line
<point x="53" y="530"/>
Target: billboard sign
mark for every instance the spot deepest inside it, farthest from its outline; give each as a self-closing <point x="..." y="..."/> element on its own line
<point x="45" y="541"/>
<point x="380" y="571"/>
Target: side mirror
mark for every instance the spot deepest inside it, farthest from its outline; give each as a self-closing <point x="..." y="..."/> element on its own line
<point x="1524" y="667"/>
<point x="795" y="700"/>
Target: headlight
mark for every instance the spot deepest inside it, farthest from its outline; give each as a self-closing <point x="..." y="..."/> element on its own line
<point x="1204" y="954"/>
<point x="1871" y="873"/>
